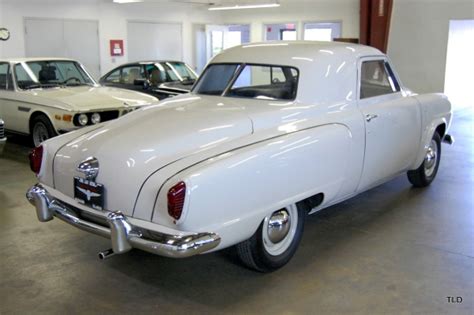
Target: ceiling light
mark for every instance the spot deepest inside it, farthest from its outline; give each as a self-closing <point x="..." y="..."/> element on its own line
<point x="245" y="6"/>
<point x="127" y="1"/>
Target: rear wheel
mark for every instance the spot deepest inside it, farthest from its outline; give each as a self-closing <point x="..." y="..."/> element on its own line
<point x="41" y="130"/>
<point x="275" y="241"/>
<point x="426" y="173"/>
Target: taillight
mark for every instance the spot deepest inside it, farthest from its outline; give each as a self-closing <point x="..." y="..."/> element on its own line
<point x="176" y="196"/>
<point x="36" y="155"/>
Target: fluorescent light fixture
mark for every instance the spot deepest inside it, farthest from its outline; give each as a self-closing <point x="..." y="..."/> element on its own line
<point x="127" y="1"/>
<point x="244" y="6"/>
<point x="265" y="45"/>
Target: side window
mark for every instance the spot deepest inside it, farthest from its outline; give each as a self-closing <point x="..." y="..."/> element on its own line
<point x="114" y="77"/>
<point x="5" y="77"/>
<point x="132" y="73"/>
<point x="377" y="79"/>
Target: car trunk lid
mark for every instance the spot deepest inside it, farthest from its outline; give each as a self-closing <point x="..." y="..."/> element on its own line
<point x="132" y="148"/>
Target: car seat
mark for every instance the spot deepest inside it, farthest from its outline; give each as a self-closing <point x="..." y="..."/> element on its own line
<point x="47" y="73"/>
<point x="133" y="75"/>
<point x="155" y="77"/>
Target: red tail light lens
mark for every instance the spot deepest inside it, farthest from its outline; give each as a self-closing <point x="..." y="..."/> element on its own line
<point x="36" y="155"/>
<point x="176" y="196"/>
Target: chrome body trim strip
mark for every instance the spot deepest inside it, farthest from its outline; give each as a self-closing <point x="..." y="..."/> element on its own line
<point x="123" y="235"/>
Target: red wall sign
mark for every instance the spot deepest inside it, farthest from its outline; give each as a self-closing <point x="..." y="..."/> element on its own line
<point x="116" y="47"/>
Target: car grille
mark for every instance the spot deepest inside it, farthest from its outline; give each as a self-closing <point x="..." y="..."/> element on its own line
<point x="109" y="115"/>
<point x="2" y="130"/>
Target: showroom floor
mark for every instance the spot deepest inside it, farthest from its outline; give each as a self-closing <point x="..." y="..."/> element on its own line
<point x="392" y="250"/>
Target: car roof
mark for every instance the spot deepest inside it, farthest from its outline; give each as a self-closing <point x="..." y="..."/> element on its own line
<point x="327" y="71"/>
<point x="26" y="59"/>
<point x="290" y="52"/>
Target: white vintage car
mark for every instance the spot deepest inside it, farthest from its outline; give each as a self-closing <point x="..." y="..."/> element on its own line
<point x="43" y="97"/>
<point x="270" y="133"/>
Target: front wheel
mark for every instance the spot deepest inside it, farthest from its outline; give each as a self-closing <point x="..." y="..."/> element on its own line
<point x="41" y="130"/>
<point x="275" y="241"/>
<point x="426" y="173"/>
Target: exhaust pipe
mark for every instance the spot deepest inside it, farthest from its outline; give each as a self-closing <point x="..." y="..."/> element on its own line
<point x="106" y="254"/>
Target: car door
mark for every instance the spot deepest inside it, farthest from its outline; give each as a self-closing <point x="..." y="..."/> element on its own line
<point x="11" y="111"/>
<point x="4" y="70"/>
<point x="392" y="122"/>
<point x="133" y="78"/>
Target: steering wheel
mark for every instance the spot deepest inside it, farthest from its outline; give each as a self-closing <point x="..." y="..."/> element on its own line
<point x="276" y="80"/>
<point x="71" y="78"/>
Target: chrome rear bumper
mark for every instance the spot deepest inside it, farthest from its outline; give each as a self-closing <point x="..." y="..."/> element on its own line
<point x="123" y="235"/>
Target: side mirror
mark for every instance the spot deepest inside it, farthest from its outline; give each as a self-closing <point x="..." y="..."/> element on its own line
<point x="142" y="82"/>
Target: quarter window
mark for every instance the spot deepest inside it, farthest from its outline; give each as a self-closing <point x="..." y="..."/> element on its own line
<point x="377" y="79"/>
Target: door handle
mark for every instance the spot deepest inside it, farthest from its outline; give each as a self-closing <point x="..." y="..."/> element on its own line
<point x="369" y="117"/>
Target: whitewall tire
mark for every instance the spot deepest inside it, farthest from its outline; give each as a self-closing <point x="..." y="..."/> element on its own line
<point x="275" y="241"/>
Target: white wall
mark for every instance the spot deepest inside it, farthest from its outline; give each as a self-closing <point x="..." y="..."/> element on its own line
<point x="112" y="22"/>
<point x="418" y="40"/>
<point x="346" y="11"/>
<point x="460" y="64"/>
<point x="113" y="19"/>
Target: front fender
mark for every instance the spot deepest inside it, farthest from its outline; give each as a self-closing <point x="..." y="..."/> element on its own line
<point x="232" y="193"/>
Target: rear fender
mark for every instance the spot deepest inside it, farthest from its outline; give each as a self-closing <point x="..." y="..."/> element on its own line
<point x="232" y="193"/>
<point x="436" y="111"/>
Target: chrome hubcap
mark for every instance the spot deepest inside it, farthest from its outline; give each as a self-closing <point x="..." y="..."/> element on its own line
<point x="278" y="226"/>
<point x="40" y="133"/>
<point x="431" y="158"/>
<point x="279" y="230"/>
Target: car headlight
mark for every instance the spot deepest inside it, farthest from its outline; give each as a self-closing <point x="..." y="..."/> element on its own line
<point x="95" y="118"/>
<point x="82" y="119"/>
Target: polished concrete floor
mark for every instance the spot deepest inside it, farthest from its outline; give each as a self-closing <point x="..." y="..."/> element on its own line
<point x="392" y="250"/>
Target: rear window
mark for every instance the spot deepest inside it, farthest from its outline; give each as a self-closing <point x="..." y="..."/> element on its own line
<point x="249" y="81"/>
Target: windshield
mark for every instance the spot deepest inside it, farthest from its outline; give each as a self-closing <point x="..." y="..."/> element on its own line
<point x="249" y="81"/>
<point x="163" y="72"/>
<point x="50" y="73"/>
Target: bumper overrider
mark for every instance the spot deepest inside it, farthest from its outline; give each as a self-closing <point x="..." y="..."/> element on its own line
<point x="123" y="235"/>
